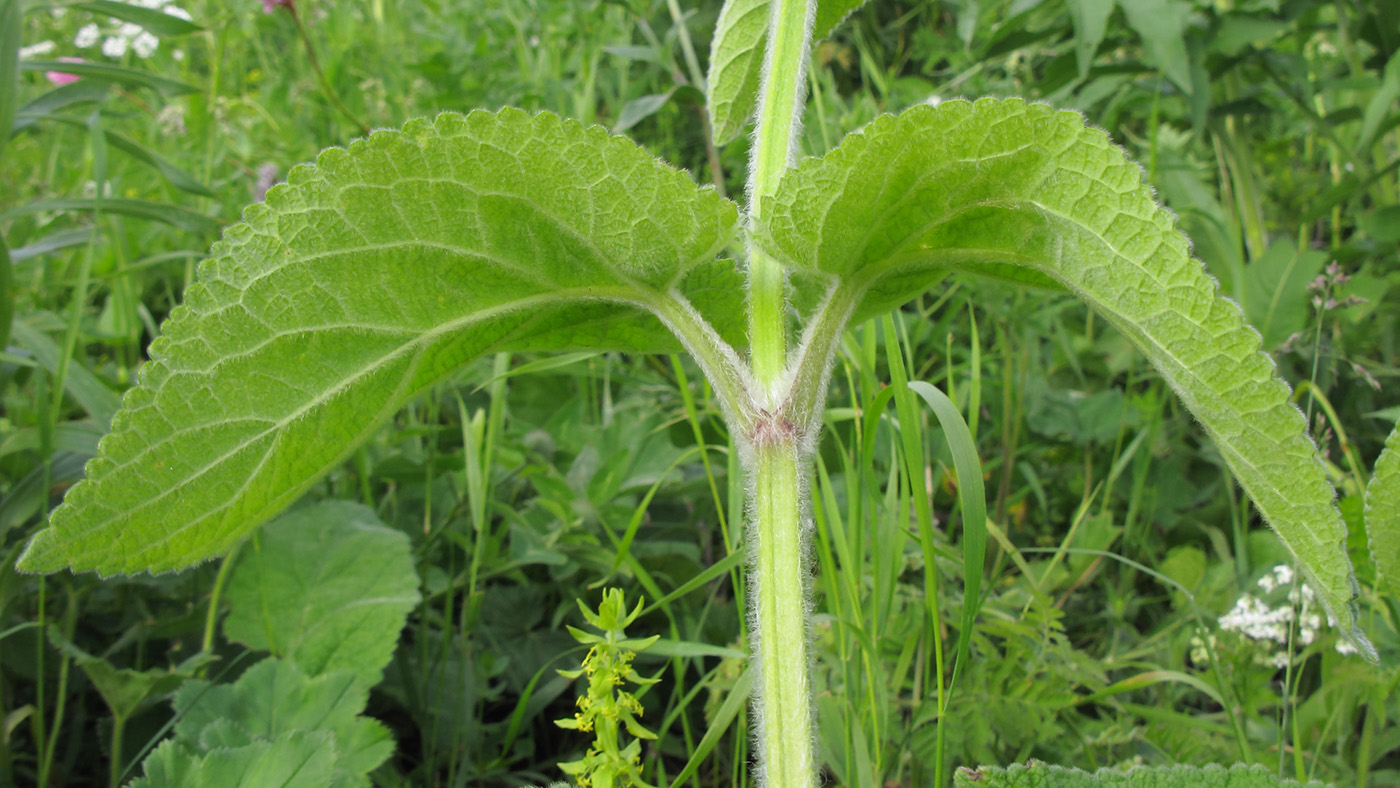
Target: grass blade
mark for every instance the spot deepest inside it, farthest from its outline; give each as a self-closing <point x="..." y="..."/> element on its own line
<point x="972" y="498"/>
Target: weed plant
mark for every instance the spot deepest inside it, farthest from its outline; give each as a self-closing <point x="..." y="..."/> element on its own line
<point x="1117" y="538"/>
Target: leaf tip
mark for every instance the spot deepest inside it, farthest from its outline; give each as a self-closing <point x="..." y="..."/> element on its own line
<point x="40" y="557"/>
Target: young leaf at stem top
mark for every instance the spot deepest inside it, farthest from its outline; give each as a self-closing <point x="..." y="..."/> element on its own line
<point x="1023" y="191"/>
<point x="369" y="277"/>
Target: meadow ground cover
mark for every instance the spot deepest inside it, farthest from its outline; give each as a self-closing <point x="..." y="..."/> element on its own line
<point x="1134" y="609"/>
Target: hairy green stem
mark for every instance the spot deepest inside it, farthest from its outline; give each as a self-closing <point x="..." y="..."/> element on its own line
<point x="780" y="580"/>
<point x="776" y="439"/>
<point x="781" y="99"/>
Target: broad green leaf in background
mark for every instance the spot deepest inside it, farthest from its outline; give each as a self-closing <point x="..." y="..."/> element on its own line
<point x="736" y="58"/>
<point x="273" y="699"/>
<point x="53" y="242"/>
<point x="328" y="587"/>
<point x="972" y="501"/>
<point x="369" y="277"/>
<point x="299" y="759"/>
<point x="7" y="296"/>
<point x="1383" y="516"/>
<point x="84" y="91"/>
<point x="1090" y="20"/>
<point x="1041" y="775"/>
<point x="125" y="690"/>
<point x="1000" y="185"/>
<point x="1162" y="26"/>
<point x="1276" y="291"/>
<point x="831" y="14"/>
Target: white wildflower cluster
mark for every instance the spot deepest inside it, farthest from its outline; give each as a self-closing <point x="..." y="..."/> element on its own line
<point x="118" y="38"/>
<point x="1255" y="618"/>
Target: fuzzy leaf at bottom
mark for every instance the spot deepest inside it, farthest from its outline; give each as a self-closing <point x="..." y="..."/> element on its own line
<point x="274" y="698"/>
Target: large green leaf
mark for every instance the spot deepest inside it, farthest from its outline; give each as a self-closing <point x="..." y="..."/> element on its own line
<point x="1090" y="20"/>
<point x="1040" y="775"/>
<point x="1012" y="187"/>
<point x="368" y="277"/>
<point x="328" y="586"/>
<point x="1383" y="516"/>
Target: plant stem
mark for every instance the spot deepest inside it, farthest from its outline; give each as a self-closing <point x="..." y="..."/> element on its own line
<point x="114" y="776"/>
<point x="774" y="455"/>
<point x="781" y="99"/>
<point x="320" y="75"/>
<point x="784" y="697"/>
<point x="211" y="618"/>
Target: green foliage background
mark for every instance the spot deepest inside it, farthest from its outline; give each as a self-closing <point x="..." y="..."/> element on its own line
<point x="1268" y="126"/>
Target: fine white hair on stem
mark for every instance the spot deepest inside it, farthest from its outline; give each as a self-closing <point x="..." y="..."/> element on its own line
<point x="799" y="104"/>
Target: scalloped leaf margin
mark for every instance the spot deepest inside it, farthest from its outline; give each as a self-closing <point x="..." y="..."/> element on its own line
<point x="1017" y="190"/>
<point x="368" y="277"/>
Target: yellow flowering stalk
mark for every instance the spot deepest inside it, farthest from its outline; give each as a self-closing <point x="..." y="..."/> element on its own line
<point x="605" y="705"/>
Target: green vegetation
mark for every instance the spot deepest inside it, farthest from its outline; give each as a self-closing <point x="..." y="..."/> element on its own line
<point x="1132" y="609"/>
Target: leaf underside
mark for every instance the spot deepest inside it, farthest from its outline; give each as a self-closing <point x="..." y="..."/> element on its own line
<point x="367" y="278"/>
<point x="1383" y="516"/>
<point x="1023" y="191"/>
<point x="1040" y="775"/>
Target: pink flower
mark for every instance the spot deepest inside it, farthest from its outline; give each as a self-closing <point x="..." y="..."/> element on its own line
<point x="60" y="78"/>
<point x="271" y="5"/>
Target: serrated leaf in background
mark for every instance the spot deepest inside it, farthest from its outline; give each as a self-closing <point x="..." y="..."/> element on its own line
<point x="328" y="587"/>
<point x="274" y="698"/>
<point x="1161" y="24"/>
<point x="300" y="759"/>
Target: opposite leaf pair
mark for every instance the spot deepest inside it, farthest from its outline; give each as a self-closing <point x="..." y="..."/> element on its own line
<point x="385" y="268"/>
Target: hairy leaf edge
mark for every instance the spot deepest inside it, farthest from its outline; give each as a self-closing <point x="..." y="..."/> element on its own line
<point x="853" y="145"/>
<point x="42" y="555"/>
